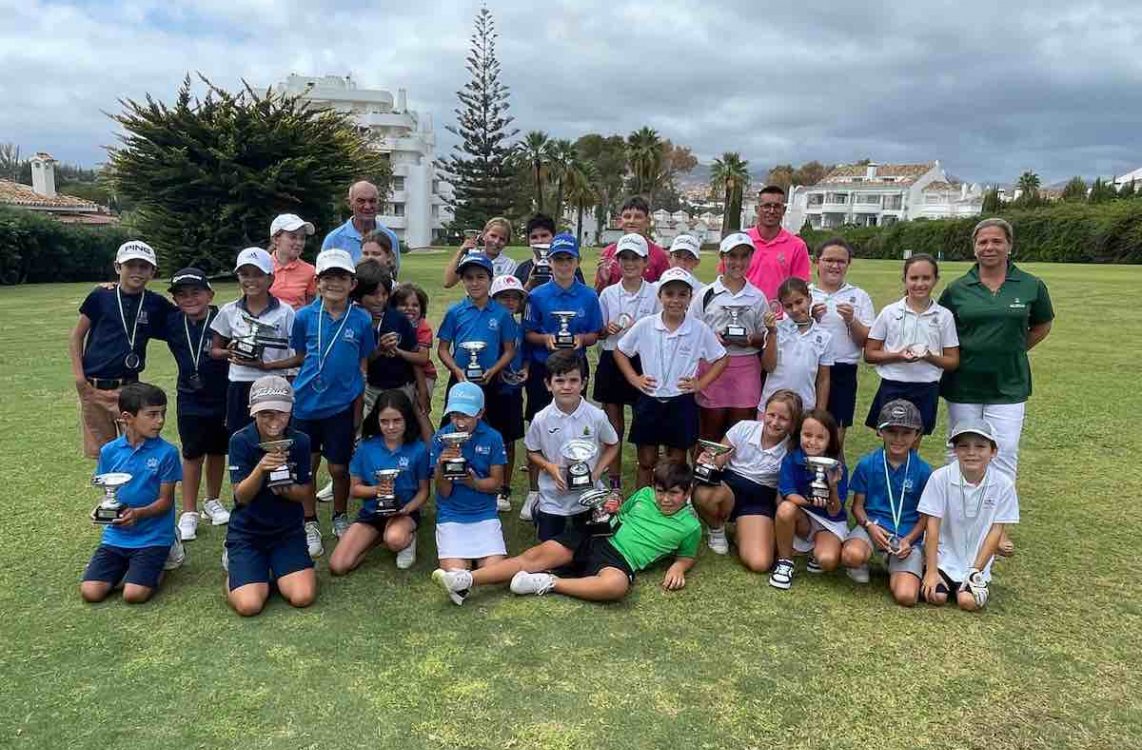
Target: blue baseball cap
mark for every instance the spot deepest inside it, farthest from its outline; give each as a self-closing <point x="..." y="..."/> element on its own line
<point x="466" y="398"/>
<point x="476" y="259"/>
<point x="564" y="243"/>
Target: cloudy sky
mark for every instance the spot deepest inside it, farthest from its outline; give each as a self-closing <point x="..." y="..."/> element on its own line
<point x="988" y="88"/>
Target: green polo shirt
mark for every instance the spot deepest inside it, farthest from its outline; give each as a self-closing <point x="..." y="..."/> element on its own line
<point x="993" y="336"/>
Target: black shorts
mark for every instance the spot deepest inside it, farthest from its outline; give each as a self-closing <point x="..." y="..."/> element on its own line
<point x="238" y="405"/>
<point x="590" y="554"/>
<point x="671" y="422"/>
<point x="502" y="411"/>
<point x="843" y="392"/>
<point x="750" y="498"/>
<point x="142" y="566"/>
<point x="610" y="385"/>
<point x="552" y="526"/>
<point x="379" y="522"/>
<point x="203" y="435"/>
<point x="947" y="586"/>
<point x="926" y="397"/>
<point x="332" y="436"/>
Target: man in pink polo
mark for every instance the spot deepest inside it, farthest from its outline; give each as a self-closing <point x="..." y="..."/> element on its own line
<point x="777" y="254"/>
<point x="635" y="217"/>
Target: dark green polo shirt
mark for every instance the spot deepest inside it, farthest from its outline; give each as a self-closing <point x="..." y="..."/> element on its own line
<point x="993" y="336"/>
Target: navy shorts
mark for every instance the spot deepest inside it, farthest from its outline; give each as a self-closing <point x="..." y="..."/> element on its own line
<point x="538" y="397"/>
<point x="142" y="566"/>
<point x="590" y="554"/>
<point x="203" y="435"/>
<point x="331" y="436"/>
<point x="926" y="397"/>
<point x="552" y="526"/>
<point x="843" y="393"/>
<point x="610" y="385"/>
<point x="750" y="498"/>
<point x="238" y="405"/>
<point x="379" y="522"/>
<point x="261" y="559"/>
<point x="671" y="422"/>
<point x="505" y="414"/>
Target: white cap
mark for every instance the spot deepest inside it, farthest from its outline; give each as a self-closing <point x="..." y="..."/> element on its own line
<point x="136" y="249"/>
<point x="686" y="243"/>
<point x="507" y="283"/>
<point x="634" y="242"/>
<point x="257" y="257"/>
<point x="737" y="239"/>
<point x="290" y="223"/>
<point x="677" y="274"/>
<point x="327" y="260"/>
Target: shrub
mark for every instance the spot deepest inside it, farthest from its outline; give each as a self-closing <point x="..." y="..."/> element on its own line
<point x="36" y="248"/>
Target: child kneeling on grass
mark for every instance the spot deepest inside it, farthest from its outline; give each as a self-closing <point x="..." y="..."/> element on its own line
<point x="966" y="506"/>
<point x="652" y="524"/>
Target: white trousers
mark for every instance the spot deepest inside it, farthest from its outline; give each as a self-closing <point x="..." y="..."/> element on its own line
<point x="1006" y="421"/>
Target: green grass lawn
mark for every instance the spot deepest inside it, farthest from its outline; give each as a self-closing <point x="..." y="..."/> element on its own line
<point x="384" y="660"/>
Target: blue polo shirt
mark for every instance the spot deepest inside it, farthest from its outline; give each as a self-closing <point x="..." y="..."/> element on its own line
<point x="550" y="297"/>
<point x="106" y="346"/>
<point x="519" y="361"/>
<point x="183" y="336"/>
<point x="151" y="464"/>
<point x="372" y="455"/>
<point x="796" y="476"/>
<point x="484" y="449"/>
<point x="267" y="514"/>
<point x="868" y="479"/>
<point x="493" y="325"/>
<point x="347" y="238"/>
<point x="340" y="378"/>
<point x="393" y="372"/>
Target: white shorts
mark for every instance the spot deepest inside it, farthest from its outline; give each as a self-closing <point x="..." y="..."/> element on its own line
<point x="913" y="564"/>
<point x="839" y="529"/>
<point x="470" y="541"/>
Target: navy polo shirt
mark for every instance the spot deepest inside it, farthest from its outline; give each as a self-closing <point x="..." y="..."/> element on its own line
<point x="183" y="336"/>
<point x="796" y="476"/>
<point x="267" y="514"/>
<point x="493" y="325"/>
<point x="341" y="380"/>
<point x="151" y="464"/>
<point x="484" y="449"/>
<point x="868" y="479"/>
<point x="393" y="372"/>
<point x="372" y="455"/>
<point x="106" y="346"/>
<point x="550" y="297"/>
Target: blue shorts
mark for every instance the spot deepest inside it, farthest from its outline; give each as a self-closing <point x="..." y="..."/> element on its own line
<point x="551" y="525"/>
<point x="926" y="397"/>
<point x="261" y="559"/>
<point x="142" y="566"/>
<point x="610" y="385"/>
<point x="238" y="405"/>
<point x="672" y="422"/>
<point x="843" y="393"/>
<point x="203" y="435"/>
<point x="750" y="498"/>
<point x="331" y="436"/>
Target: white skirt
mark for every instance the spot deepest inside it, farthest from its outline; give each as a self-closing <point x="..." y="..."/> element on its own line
<point x="839" y="529"/>
<point x="470" y="541"/>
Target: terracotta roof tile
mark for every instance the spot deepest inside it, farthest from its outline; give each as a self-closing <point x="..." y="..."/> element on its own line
<point x="904" y="173"/>
<point x="16" y="194"/>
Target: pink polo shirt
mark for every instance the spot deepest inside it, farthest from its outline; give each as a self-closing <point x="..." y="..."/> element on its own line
<point x="295" y="283"/>
<point x="776" y="260"/>
<point x="657" y="262"/>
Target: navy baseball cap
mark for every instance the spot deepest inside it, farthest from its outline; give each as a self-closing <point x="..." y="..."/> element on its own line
<point x="564" y="243"/>
<point x="475" y="259"/>
<point x="189" y="277"/>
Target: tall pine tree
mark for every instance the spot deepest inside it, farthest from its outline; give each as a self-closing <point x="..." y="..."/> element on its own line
<point x="480" y="167"/>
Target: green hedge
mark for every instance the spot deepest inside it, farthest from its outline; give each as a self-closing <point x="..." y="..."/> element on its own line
<point x="1060" y="233"/>
<point x="36" y="248"/>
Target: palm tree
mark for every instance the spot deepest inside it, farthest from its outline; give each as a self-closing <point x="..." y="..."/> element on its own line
<point x="729" y="176"/>
<point x="1028" y="185"/>
<point x="645" y="155"/>
<point x="560" y="155"/>
<point x="533" y="149"/>
<point x="581" y="193"/>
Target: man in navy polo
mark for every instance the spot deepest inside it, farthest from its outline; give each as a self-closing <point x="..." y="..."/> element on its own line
<point x="363" y="201"/>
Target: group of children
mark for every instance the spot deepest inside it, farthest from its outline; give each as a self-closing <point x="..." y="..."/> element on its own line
<point x="775" y="383"/>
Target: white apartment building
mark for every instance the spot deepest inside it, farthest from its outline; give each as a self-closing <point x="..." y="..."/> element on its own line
<point x="416" y="207"/>
<point x="880" y="194"/>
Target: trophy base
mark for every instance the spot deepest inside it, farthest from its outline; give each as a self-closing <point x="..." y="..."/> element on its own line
<point x="736" y="335"/>
<point x="706" y="474"/>
<point x="252" y="353"/>
<point x="106" y="516"/>
<point x="280" y="478"/>
<point x="386" y="508"/>
<point x="455" y="469"/>
<point x="541" y="276"/>
<point x="474" y="374"/>
<point x="564" y="341"/>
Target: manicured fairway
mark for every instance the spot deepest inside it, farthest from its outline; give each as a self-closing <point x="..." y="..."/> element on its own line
<point x="383" y="660"/>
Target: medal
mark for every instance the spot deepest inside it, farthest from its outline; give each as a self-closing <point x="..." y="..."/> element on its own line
<point x="194" y="382"/>
<point x="132" y="361"/>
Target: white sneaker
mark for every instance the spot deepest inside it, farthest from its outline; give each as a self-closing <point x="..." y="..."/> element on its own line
<point x="859" y="575"/>
<point x="325" y="494"/>
<point x="532" y="583"/>
<point x="528" y="506"/>
<point x="188" y="526"/>
<point x="458" y="583"/>
<point x="503" y="501"/>
<point x="407" y="556"/>
<point x="216" y="512"/>
<point x="812" y="566"/>
<point x="176" y="557"/>
<point x="225" y="559"/>
<point x="313" y="539"/>
<point x="717" y="541"/>
<point x="782" y="575"/>
<point x="341" y="524"/>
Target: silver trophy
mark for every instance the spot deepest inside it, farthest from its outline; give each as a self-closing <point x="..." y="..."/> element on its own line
<point x="250" y="345"/>
<point x="541" y="268"/>
<point x="564" y="339"/>
<point x="387" y="502"/>
<point x="454" y="468"/>
<point x="819" y="487"/>
<point x="577" y="473"/>
<point x="595" y="500"/>
<point x="282" y="476"/>
<point x="624" y="320"/>
<point x="110" y="508"/>
<point x="735" y="331"/>
<point x="709" y="473"/>
<point x="473" y="370"/>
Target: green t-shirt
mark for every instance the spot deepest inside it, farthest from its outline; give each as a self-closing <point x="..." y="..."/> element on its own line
<point x="647" y="534"/>
<point x="993" y="336"/>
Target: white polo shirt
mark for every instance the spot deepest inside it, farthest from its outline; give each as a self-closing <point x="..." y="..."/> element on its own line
<point x="230" y="324"/>
<point x="798" y="357"/>
<point x="668" y="355"/>
<point x="749" y="459"/>
<point x="899" y="327"/>
<point x="966" y="514"/>
<point x="502" y="265"/>
<point x="845" y="350"/>
<point x="549" y="431"/>
<point x="616" y="301"/>
<point x="715" y="315"/>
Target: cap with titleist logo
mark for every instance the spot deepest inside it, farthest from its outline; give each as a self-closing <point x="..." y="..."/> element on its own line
<point x="685" y="243"/>
<point x="271" y="393"/>
<point x="189" y="278"/>
<point x="632" y="243"/>
<point x="900" y="413"/>
<point x="335" y="260"/>
<point x="476" y="259"/>
<point x="735" y="240"/>
<point x="563" y="243"/>
<point x="136" y="250"/>
<point x="256" y="257"/>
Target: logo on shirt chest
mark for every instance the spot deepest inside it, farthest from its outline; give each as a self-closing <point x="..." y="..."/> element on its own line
<point x="484" y="450"/>
<point x="350" y="336"/>
<point x="153" y="465"/>
<point x="1017" y="305"/>
<point x="403" y="462"/>
<point x="493" y="324"/>
<point x="143" y="318"/>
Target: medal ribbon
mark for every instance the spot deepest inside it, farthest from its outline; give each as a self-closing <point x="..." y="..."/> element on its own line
<point x="196" y="353"/>
<point x="897" y="510"/>
<point x="324" y="355"/>
<point x="132" y="334"/>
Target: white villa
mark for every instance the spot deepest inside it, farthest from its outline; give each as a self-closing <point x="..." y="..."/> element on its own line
<point x="416" y="208"/>
<point x="1123" y="180"/>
